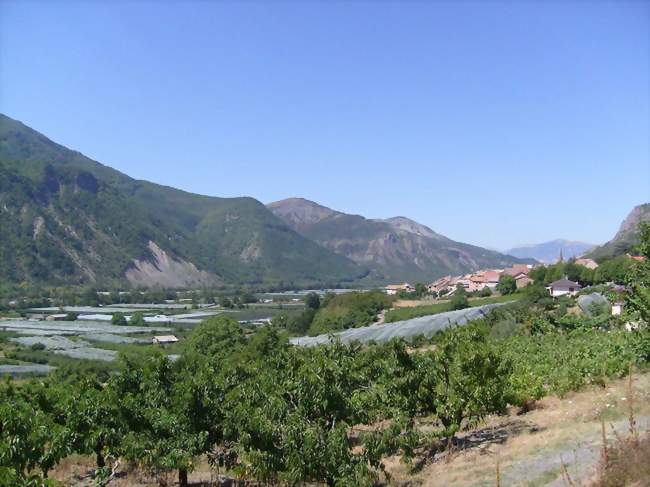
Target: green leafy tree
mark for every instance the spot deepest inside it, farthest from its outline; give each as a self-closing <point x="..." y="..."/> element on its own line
<point x="293" y="423"/>
<point x="506" y="284"/>
<point x="586" y="277"/>
<point x="216" y="337"/>
<point x="137" y="319"/>
<point x="554" y="272"/>
<point x="459" y="299"/>
<point x="312" y="301"/>
<point x="637" y="298"/>
<point x="165" y="414"/>
<point x="248" y="298"/>
<point x="281" y="320"/>
<point x="615" y="270"/>
<point x="118" y="319"/>
<point x="485" y="292"/>
<point x="465" y="379"/>
<point x="92" y="416"/>
<point x="572" y="270"/>
<point x="299" y="325"/>
<point x="420" y="289"/>
<point x="30" y="441"/>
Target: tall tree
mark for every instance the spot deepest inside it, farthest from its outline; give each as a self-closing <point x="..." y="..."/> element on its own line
<point x="637" y="298"/>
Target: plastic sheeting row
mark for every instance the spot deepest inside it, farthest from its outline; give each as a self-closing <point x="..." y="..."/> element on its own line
<point x="425" y="325"/>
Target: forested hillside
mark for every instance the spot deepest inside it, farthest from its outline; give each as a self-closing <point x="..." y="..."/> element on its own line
<point x="68" y="219"/>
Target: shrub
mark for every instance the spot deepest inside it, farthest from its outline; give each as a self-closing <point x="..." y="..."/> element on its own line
<point x="118" y="319"/>
<point x="137" y="319"/>
<point x="459" y="301"/>
<point x="485" y="292"/>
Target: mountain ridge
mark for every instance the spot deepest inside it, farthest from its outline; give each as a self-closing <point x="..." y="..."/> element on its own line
<point x="549" y="252"/>
<point x="396" y="248"/>
<point x="626" y="236"/>
<point x="67" y="219"/>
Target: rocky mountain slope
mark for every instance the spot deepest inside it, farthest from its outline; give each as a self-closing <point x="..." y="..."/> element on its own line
<point x="66" y="219"/>
<point x="548" y="252"/>
<point x="396" y="249"/>
<point x="626" y="237"/>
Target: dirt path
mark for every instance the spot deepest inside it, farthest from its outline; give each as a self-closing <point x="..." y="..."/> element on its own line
<point x="381" y="317"/>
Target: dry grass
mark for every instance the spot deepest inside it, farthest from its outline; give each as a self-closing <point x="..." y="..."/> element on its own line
<point x="411" y="303"/>
<point x="628" y="464"/>
<point x="77" y="470"/>
<point x="627" y="461"/>
<point x="547" y="433"/>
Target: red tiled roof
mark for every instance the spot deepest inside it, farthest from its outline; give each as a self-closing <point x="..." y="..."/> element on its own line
<point x="491" y="276"/>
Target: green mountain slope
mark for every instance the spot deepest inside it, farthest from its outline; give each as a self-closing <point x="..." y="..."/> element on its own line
<point x="67" y="219"/>
<point x="396" y="249"/>
<point x="626" y="237"/>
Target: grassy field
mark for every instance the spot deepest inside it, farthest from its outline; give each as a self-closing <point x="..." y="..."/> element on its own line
<point x="399" y="314"/>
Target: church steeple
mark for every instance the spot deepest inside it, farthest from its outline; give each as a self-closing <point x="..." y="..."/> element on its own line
<point x="561" y="259"/>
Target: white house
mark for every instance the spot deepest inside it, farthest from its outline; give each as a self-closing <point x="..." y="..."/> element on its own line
<point x="392" y="289"/>
<point x="563" y="287"/>
<point x="164" y="339"/>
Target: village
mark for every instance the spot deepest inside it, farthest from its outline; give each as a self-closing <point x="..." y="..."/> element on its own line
<point x="488" y="279"/>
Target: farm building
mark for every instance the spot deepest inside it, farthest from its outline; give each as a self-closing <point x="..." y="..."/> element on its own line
<point x="517" y="269"/>
<point x="563" y="287"/>
<point x="392" y="289"/>
<point x="56" y="317"/>
<point x="164" y="339"/>
<point x="476" y="282"/>
<point x="439" y="285"/>
<point x="523" y="280"/>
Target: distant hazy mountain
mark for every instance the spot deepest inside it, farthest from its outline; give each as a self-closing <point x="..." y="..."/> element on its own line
<point x="627" y="235"/>
<point x="395" y="249"/>
<point x="65" y="218"/>
<point x="549" y="252"/>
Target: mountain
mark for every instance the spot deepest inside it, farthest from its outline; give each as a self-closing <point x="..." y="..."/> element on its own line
<point x="68" y="219"/>
<point x="396" y="249"/>
<point x="626" y="237"/>
<point x="548" y="252"/>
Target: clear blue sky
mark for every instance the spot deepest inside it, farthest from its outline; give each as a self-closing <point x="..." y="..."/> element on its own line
<point x="495" y="123"/>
